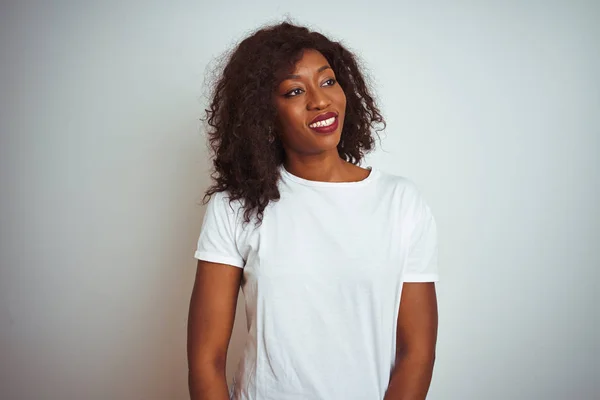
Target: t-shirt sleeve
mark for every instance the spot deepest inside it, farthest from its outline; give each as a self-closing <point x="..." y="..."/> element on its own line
<point x="422" y="261"/>
<point x="217" y="241"/>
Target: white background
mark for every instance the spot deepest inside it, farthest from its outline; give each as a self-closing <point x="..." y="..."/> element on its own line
<point x="493" y="109"/>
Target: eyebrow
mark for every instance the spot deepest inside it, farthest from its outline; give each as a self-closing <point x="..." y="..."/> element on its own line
<point x="323" y="68"/>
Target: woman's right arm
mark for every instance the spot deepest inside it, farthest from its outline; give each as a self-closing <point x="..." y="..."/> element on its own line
<point x="211" y="315"/>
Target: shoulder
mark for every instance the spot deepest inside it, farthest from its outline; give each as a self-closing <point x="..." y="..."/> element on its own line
<point x="405" y="194"/>
<point x="402" y="185"/>
<point x="221" y="203"/>
<point x="224" y="197"/>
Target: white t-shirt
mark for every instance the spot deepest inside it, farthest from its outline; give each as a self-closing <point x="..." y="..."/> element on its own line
<point x="322" y="282"/>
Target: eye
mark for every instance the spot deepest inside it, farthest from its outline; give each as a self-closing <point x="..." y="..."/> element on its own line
<point x="293" y="93"/>
<point x="330" y="82"/>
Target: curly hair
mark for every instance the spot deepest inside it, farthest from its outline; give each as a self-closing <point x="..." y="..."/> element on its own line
<point x="242" y="113"/>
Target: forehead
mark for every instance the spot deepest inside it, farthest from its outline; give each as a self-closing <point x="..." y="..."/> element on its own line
<point x="308" y="65"/>
<point x="311" y="59"/>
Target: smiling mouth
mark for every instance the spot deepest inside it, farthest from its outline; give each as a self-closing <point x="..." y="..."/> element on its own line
<point x="326" y="126"/>
<point x="324" y="123"/>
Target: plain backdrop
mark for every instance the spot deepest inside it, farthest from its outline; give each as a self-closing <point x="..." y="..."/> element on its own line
<point x="493" y="109"/>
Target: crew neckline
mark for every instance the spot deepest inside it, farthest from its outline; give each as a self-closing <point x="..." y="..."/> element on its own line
<point x="285" y="173"/>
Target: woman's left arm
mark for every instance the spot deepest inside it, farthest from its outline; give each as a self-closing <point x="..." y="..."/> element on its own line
<point x="415" y="342"/>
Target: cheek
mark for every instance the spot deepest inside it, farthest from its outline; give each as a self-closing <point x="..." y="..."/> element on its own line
<point x="292" y="118"/>
<point x="291" y="121"/>
<point x="341" y="104"/>
<point x="342" y="98"/>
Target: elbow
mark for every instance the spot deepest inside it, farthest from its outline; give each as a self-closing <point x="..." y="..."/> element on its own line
<point x="421" y="356"/>
<point x="214" y="364"/>
<point x="206" y="359"/>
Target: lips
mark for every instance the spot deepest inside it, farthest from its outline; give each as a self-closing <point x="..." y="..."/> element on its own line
<point x="323" y="117"/>
<point x="326" y="129"/>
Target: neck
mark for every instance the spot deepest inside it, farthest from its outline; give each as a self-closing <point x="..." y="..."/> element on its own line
<point x="324" y="168"/>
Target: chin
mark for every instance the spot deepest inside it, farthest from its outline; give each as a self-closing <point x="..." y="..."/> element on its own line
<point x="328" y="142"/>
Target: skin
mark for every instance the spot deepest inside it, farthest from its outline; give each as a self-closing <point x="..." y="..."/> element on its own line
<point x="311" y="91"/>
<point x="210" y="323"/>
<point x="416" y="339"/>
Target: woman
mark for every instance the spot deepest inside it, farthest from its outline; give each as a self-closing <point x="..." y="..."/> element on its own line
<point x="336" y="262"/>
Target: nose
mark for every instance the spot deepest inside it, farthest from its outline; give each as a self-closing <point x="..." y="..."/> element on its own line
<point x="318" y="100"/>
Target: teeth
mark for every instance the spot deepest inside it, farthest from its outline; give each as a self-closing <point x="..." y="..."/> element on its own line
<point x="320" y="124"/>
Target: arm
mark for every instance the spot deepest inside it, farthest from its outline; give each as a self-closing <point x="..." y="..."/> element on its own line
<point x="415" y="343"/>
<point x="210" y="322"/>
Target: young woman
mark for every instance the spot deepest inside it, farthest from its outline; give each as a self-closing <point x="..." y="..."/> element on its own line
<point x="336" y="262"/>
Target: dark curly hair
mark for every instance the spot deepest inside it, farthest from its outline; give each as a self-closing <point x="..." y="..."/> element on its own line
<point x="242" y="113"/>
